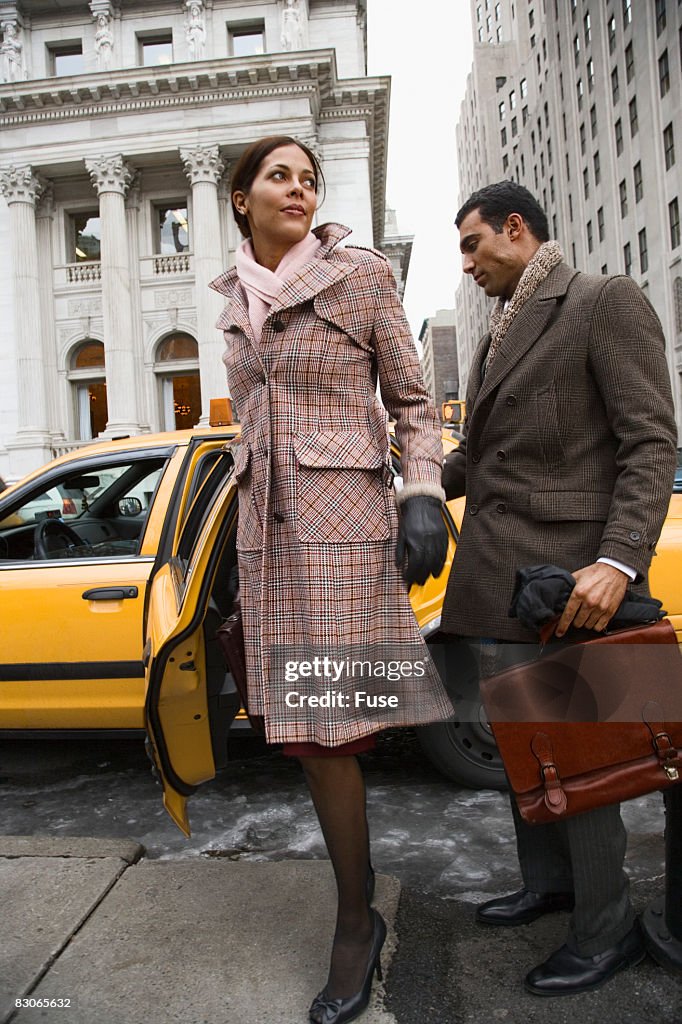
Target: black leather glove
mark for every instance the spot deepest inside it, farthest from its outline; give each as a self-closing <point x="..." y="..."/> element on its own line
<point x="423" y="537"/>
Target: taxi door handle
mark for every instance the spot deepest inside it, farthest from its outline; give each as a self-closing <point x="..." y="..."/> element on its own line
<point x="109" y="593"/>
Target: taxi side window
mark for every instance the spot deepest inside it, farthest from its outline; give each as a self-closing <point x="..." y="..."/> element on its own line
<point x="97" y="511"/>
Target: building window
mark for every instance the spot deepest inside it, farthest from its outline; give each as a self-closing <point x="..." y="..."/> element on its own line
<point x="629" y="62"/>
<point x="627" y="12"/>
<point x="643" y="252"/>
<point x="177" y="369"/>
<point x="514" y="127"/>
<point x="505" y="163"/>
<point x="478" y="13"/>
<point x="503" y="136"/>
<point x="612" y="33"/>
<point x="615" y="90"/>
<point x="66" y="58"/>
<point x="604" y="268"/>
<point x="586" y="182"/>
<point x="582" y="138"/>
<point x="618" y="128"/>
<point x="498" y="12"/>
<point x="600" y="223"/>
<point x="627" y="259"/>
<point x="590" y="74"/>
<point x="502" y="110"/>
<point x="597" y="168"/>
<point x="573" y="256"/>
<point x="85" y="237"/>
<point x="568" y="168"/>
<point x="588" y="29"/>
<point x="532" y="141"/>
<point x="674" y="220"/>
<point x="623" y="193"/>
<point x="155" y="49"/>
<point x="524" y="88"/>
<point x="549" y="151"/>
<point x="570" y="207"/>
<point x="669" y="146"/>
<point x="574" y="4"/>
<point x="531" y="17"/>
<point x="172" y="229"/>
<point x="576" y="48"/>
<point x="590" y="240"/>
<point x="498" y="33"/>
<point x="551" y="188"/>
<point x="639" y="184"/>
<point x="524" y="114"/>
<point x="581" y="92"/>
<point x="661" y="19"/>
<point x="632" y="108"/>
<point x="593" y="121"/>
<point x="480" y="34"/>
<point x="249" y="40"/>
<point x="664" y="73"/>
<point x="512" y="100"/>
<point x="89" y="387"/>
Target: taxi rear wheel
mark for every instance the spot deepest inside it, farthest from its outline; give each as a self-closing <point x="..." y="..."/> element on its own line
<point x="465" y="752"/>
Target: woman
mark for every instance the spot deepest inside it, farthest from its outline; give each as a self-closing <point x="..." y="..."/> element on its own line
<point x="308" y="328"/>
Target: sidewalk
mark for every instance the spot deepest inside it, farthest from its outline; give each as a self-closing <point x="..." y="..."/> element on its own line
<point x="130" y="941"/>
<point x="216" y="941"/>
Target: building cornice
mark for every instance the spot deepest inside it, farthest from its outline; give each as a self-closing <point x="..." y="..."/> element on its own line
<point x="225" y="81"/>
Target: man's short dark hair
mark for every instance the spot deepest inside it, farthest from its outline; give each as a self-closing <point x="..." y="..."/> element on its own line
<point x="496" y="202"/>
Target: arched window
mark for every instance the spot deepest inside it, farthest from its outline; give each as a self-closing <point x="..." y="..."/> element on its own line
<point x="177" y="368"/>
<point x="89" y="387"/>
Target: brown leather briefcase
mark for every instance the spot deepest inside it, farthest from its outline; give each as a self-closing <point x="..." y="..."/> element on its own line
<point x="592" y="723"/>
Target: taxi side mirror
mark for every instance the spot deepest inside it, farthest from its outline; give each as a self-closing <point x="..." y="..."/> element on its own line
<point x="129" y="507"/>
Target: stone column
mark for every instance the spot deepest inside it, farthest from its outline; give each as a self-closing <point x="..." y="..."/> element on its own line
<point x="132" y="208"/>
<point x="56" y="417"/>
<point x="204" y="169"/>
<point x="21" y="188"/>
<point x="111" y="177"/>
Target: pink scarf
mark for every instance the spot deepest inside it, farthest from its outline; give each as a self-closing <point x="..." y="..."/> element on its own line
<point x="261" y="285"/>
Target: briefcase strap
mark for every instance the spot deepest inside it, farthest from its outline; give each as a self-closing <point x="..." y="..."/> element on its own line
<point x="555" y="797"/>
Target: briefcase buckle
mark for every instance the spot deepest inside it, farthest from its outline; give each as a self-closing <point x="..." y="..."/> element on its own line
<point x="672" y="772"/>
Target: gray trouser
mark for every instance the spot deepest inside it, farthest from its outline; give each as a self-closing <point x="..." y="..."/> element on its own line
<point x="583" y="854"/>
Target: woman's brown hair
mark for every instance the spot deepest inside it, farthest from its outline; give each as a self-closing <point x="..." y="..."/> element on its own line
<point x="248" y="165"/>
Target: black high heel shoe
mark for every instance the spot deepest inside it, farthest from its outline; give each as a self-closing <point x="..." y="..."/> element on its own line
<point x="339" y="1011"/>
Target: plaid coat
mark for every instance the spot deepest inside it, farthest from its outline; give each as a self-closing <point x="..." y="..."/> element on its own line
<point x="317" y="515"/>
<point x="569" y="450"/>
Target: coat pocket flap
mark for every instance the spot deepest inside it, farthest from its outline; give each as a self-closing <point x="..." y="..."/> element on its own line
<point x="558" y="506"/>
<point x="242" y="456"/>
<point x="337" y="449"/>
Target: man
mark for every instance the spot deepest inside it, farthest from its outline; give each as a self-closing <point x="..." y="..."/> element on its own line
<point x="568" y="458"/>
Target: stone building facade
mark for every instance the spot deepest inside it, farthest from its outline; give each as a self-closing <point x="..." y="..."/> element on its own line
<point x="580" y="102"/>
<point x="119" y="123"/>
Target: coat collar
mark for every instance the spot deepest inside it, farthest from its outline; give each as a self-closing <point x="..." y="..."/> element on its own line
<point x="317" y="275"/>
<point x="527" y="326"/>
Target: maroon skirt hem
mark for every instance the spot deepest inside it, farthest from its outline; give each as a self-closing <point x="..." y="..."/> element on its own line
<point x="360" y="746"/>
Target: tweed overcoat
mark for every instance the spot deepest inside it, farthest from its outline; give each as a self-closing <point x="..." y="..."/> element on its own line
<point x="569" y="450"/>
<point x="317" y="513"/>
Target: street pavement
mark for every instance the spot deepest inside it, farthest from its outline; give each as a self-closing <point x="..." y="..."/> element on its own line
<point x="217" y="941"/>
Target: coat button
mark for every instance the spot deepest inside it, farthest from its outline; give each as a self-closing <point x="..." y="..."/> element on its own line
<point x="501" y="455"/>
<point x="501" y="507"/>
<point x="278" y="326"/>
<point x="635" y="535"/>
<point x="511" y="400"/>
<point x="278" y="517"/>
<point x="476" y="457"/>
<point x="473" y="510"/>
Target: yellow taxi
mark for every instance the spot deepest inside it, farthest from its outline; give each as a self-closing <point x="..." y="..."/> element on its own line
<point x="115" y="573"/>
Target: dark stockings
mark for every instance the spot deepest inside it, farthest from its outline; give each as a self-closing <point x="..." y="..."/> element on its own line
<point x="338" y="791"/>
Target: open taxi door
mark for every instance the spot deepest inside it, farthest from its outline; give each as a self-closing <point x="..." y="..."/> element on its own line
<point x="191" y="699"/>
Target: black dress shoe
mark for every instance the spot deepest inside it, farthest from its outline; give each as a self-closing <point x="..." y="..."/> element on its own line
<point x="523" y="906"/>
<point x="565" y="973"/>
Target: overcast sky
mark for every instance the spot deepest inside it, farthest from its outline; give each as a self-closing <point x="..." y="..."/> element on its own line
<point x="426" y="48"/>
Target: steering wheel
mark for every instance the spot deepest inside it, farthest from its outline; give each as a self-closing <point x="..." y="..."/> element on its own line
<point x="52" y="536"/>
